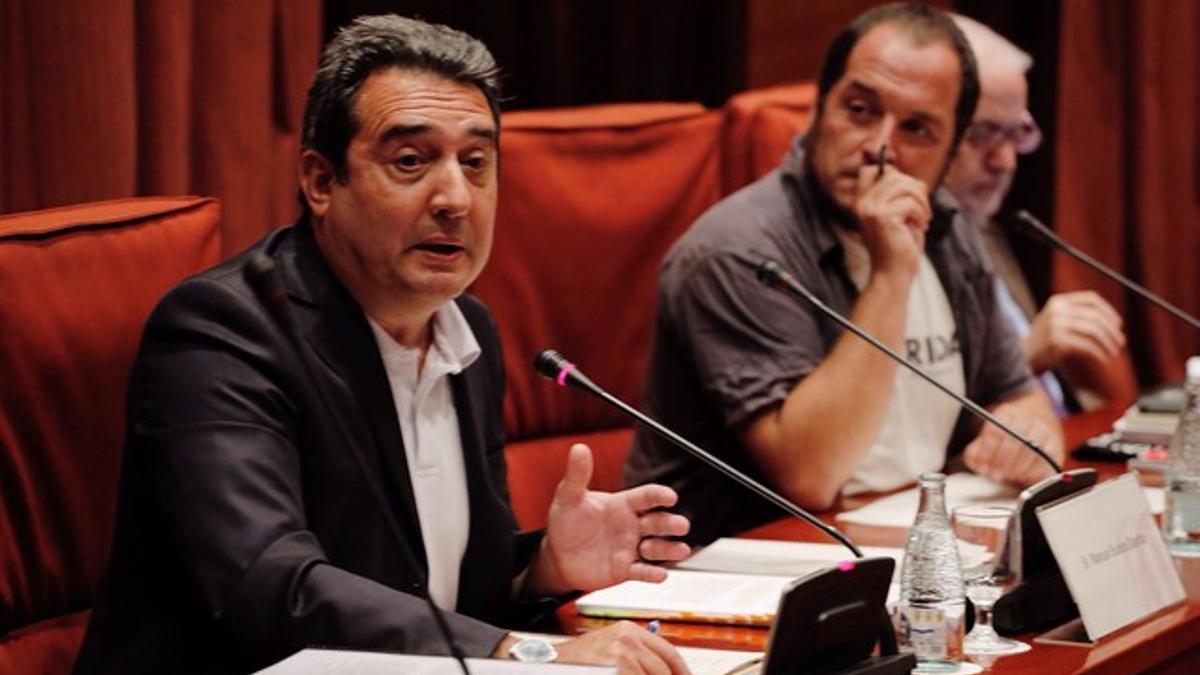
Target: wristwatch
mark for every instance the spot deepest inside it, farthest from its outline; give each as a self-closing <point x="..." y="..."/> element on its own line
<point x="533" y="650"/>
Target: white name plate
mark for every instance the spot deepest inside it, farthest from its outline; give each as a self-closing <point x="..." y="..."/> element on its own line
<point x="1112" y="555"/>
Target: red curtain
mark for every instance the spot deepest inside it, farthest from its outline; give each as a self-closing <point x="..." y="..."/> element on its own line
<point x="1127" y="154"/>
<point x="156" y="97"/>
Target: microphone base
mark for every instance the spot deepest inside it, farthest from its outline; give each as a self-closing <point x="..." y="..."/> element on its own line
<point x="830" y="622"/>
<point x="1036" y="603"/>
<point x="1040" y="599"/>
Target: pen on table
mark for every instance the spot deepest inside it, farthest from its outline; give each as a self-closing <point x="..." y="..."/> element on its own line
<point x="882" y="161"/>
<point x="653" y="627"/>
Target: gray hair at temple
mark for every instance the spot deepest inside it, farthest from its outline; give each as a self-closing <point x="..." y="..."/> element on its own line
<point x="372" y="43"/>
<point x="990" y="47"/>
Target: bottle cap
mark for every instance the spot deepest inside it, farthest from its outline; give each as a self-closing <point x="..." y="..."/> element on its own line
<point x="1193" y="368"/>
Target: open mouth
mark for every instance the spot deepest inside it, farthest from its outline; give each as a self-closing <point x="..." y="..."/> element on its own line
<point x="440" y="248"/>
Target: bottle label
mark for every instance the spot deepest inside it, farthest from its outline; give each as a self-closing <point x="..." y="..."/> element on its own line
<point x="926" y="631"/>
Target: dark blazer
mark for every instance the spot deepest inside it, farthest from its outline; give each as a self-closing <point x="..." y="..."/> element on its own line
<point x="243" y="534"/>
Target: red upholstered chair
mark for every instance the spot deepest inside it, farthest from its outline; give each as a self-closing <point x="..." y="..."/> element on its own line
<point x="759" y="126"/>
<point x="77" y="284"/>
<point x="590" y="200"/>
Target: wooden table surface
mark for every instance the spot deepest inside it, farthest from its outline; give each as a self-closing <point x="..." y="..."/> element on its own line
<point x="1168" y="642"/>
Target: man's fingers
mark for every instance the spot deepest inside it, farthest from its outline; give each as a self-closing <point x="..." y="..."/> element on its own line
<point x="651" y="653"/>
<point x="644" y="661"/>
<point x="665" y="550"/>
<point x="981" y="455"/>
<point x="668" y="654"/>
<point x="1093" y="301"/>
<point x="663" y="524"/>
<point x="629" y="647"/>
<point x="1096" y="325"/>
<point x="652" y="496"/>
<point x="975" y="458"/>
<point x="577" y="475"/>
<point x="1086" y="344"/>
<point x="642" y="571"/>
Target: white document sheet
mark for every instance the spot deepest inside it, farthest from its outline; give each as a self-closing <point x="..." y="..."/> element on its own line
<point x="717" y="661"/>
<point x="900" y="509"/>
<point x="780" y="558"/>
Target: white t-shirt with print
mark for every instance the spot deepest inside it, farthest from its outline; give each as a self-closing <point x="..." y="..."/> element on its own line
<point x="919" y="418"/>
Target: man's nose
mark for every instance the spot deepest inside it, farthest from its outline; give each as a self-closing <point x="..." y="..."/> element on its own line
<point x="880" y="136"/>
<point x="451" y="192"/>
<point x="1002" y="158"/>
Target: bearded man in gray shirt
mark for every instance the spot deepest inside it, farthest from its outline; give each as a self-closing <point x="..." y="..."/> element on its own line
<point x="775" y="387"/>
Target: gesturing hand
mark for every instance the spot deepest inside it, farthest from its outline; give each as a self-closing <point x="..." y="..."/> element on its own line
<point x="1078" y="323"/>
<point x="596" y="539"/>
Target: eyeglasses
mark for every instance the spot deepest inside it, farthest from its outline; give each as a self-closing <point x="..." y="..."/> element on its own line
<point x="1025" y="135"/>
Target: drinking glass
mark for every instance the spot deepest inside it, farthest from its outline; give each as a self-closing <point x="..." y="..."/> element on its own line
<point x="980" y="529"/>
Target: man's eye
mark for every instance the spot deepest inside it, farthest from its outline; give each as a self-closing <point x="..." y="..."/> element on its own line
<point x="917" y="129"/>
<point x="859" y="109"/>
<point x="476" y="161"/>
<point x="408" y="161"/>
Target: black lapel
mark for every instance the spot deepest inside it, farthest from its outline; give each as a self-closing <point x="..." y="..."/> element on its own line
<point x="341" y="339"/>
<point x="482" y="557"/>
<point x="486" y="570"/>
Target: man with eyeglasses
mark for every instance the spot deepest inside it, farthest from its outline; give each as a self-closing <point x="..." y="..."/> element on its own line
<point x="1077" y="329"/>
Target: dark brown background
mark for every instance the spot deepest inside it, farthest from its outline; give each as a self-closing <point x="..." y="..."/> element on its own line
<point x="137" y="97"/>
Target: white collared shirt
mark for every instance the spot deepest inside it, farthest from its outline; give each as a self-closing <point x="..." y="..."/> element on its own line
<point x="432" y="443"/>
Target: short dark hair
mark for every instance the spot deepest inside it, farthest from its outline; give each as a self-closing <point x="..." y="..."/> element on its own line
<point x="924" y="24"/>
<point x="371" y="43"/>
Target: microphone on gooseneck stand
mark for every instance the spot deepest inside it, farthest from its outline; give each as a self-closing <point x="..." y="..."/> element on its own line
<point x="1036" y="229"/>
<point x="261" y="275"/>
<point x="1040" y="596"/>
<point x="552" y="365"/>
<point x="773" y="275"/>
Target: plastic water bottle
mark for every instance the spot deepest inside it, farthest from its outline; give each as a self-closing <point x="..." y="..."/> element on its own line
<point x="929" y="616"/>
<point x="1181" y="519"/>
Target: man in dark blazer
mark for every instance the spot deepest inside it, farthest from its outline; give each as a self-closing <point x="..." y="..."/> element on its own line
<point x="256" y="519"/>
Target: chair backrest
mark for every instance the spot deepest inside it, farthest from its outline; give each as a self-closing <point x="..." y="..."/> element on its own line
<point x="759" y="126"/>
<point x="590" y="200"/>
<point x="77" y="284"/>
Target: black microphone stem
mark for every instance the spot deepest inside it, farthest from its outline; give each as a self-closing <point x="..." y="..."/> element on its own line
<point x="1146" y="294"/>
<point x="551" y="365"/>
<point x="775" y="276"/>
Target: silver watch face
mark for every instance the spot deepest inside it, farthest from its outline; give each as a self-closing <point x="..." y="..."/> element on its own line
<point x="533" y="650"/>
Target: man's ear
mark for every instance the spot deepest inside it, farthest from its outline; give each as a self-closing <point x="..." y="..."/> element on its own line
<point x="316" y="181"/>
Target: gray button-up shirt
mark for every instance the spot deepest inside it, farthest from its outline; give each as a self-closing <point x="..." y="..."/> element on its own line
<point x="726" y="348"/>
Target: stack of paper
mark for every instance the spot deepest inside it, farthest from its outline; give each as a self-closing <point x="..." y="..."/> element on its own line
<point x="736" y="581"/>
<point x="1140" y="426"/>
<point x="705" y="597"/>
